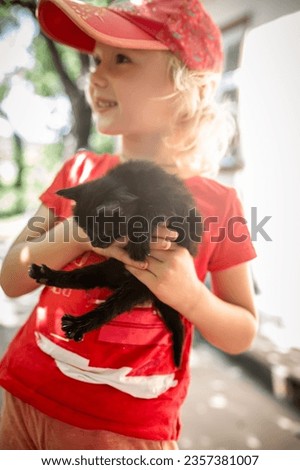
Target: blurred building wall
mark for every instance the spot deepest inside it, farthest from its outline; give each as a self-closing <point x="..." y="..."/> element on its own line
<point x="269" y="146"/>
<point x="270" y="138"/>
<point x="261" y="11"/>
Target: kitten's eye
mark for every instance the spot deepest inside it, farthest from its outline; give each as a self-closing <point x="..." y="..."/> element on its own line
<point x="94" y="62"/>
<point x="122" y="59"/>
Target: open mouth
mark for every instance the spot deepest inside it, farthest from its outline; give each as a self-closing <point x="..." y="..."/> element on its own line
<point x="105" y="104"/>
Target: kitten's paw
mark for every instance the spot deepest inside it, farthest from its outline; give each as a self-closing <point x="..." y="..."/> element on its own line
<point x="42" y="274"/>
<point x="72" y="327"/>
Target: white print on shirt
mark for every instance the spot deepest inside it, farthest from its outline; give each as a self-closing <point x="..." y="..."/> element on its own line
<point x="77" y="367"/>
<point x="58" y="290"/>
<point x="82" y="260"/>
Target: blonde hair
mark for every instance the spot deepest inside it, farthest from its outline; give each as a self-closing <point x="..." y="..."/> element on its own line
<point x="202" y="126"/>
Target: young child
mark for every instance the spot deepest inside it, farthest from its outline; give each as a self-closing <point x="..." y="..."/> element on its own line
<point x="156" y="67"/>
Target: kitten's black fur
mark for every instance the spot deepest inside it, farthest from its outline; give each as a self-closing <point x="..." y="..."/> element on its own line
<point x="137" y="189"/>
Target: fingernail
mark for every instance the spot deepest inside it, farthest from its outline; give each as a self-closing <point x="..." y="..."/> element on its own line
<point x="173" y="234"/>
<point x="142" y="265"/>
<point x="166" y="244"/>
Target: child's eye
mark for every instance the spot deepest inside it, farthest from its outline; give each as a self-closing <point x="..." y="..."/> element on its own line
<point x="94" y="62"/>
<point x="122" y="59"/>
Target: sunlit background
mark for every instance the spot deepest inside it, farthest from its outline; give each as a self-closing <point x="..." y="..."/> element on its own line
<point x="251" y="401"/>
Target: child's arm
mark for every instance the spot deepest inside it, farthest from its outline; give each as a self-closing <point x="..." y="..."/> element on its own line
<point x="49" y="244"/>
<point x="225" y="317"/>
<point x="54" y="246"/>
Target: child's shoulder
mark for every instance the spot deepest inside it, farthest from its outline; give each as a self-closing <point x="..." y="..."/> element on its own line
<point x="210" y="185"/>
<point x="203" y="186"/>
<point x="86" y="165"/>
<point x="211" y="195"/>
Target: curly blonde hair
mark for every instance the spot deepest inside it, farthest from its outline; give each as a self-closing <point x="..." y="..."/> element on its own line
<point x="203" y="127"/>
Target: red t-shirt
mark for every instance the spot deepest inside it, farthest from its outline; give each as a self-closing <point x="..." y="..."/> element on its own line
<point x="121" y="377"/>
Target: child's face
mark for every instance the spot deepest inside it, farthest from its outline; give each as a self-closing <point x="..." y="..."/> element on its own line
<point x="124" y="91"/>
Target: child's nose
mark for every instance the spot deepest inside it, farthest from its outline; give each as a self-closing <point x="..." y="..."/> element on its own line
<point x="98" y="75"/>
<point x="98" y="78"/>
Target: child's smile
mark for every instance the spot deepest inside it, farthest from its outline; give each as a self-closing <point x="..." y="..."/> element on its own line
<point x="103" y="105"/>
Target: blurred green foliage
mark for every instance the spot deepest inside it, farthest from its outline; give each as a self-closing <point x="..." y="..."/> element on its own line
<point x="4" y="89"/>
<point x="34" y="168"/>
<point x="44" y="77"/>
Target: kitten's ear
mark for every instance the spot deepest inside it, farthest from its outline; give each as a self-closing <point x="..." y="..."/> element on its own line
<point x="70" y="193"/>
<point x="125" y="203"/>
<point x="110" y="206"/>
<point x="123" y="199"/>
<point x="128" y="203"/>
<point x="128" y="198"/>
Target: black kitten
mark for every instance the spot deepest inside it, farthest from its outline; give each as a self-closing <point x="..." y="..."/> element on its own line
<point x="130" y="200"/>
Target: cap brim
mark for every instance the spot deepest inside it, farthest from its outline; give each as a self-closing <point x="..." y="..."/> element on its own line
<point x="81" y="25"/>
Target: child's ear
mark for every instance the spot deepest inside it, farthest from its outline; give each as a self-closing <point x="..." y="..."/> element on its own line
<point x="70" y="193"/>
<point x="208" y="89"/>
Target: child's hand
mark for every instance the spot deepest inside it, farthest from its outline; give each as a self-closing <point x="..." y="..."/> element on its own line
<point x="171" y="276"/>
<point x="161" y="241"/>
<point x="116" y="250"/>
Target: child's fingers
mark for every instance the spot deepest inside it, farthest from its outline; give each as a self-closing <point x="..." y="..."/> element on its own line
<point x="122" y="255"/>
<point x="116" y="250"/>
<point x="121" y="242"/>
<point x="143" y="275"/>
<point x="161" y="231"/>
<point x="159" y="244"/>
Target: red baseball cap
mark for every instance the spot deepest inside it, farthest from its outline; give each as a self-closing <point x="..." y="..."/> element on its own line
<point x="181" y="26"/>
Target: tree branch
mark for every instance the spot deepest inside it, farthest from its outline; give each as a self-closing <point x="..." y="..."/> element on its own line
<point x="81" y="111"/>
<point x="69" y="86"/>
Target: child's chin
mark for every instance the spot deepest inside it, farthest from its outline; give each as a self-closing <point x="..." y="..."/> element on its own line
<point x="106" y="128"/>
